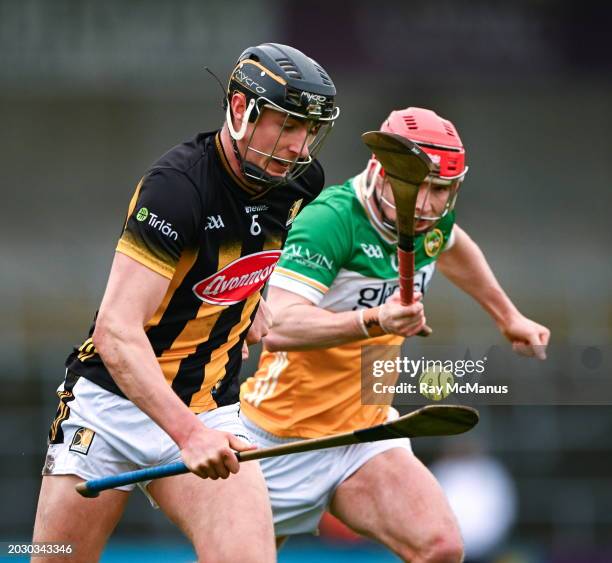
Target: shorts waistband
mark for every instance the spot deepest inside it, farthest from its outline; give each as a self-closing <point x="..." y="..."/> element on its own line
<point x="259" y="431"/>
<point x="226" y="411"/>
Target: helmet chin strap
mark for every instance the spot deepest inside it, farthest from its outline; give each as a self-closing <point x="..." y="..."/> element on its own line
<point x="370" y="190"/>
<point x="250" y="170"/>
<point x="373" y="172"/>
<point x="383" y="217"/>
<point x="237" y="135"/>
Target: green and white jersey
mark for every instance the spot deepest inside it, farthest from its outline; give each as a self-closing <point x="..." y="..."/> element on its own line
<point x="339" y="256"/>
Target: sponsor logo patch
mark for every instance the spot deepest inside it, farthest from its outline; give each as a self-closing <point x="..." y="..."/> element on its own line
<point x="308" y="257"/>
<point x="255" y="208"/>
<point x="153" y="220"/>
<point x="238" y="279"/>
<point x="142" y="214"/>
<point x="82" y="440"/>
<point x="373" y="296"/>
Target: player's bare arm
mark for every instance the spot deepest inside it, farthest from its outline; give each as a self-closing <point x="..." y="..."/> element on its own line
<point x="132" y="296"/>
<point x="301" y="325"/>
<point x="465" y="265"/>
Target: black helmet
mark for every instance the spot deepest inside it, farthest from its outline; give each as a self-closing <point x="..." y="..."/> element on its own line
<point x="285" y="77"/>
<point x="281" y="78"/>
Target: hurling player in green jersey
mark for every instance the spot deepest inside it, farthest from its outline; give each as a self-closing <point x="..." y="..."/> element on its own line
<point x="333" y="292"/>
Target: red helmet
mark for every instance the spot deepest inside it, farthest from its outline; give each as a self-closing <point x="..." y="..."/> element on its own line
<point x="435" y="135"/>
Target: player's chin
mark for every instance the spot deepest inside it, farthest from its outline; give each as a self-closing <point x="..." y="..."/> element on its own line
<point x="278" y="169"/>
<point x="423" y="226"/>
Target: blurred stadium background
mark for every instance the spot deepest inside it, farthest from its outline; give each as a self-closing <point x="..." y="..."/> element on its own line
<point x="92" y="92"/>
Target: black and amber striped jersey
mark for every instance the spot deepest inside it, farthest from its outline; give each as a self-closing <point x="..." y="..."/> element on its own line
<point x="217" y="240"/>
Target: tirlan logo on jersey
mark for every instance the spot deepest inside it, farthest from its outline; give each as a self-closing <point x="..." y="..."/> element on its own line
<point x="238" y="279"/>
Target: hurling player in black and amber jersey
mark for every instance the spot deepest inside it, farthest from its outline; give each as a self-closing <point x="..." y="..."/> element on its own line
<point x="156" y="380"/>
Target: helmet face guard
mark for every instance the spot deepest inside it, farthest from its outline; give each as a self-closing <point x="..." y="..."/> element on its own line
<point x="313" y="130"/>
<point x="436" y="194"/>
<point x="278" y="78"/>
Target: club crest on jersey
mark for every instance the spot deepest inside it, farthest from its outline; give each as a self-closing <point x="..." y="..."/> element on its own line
<point x="239" y="279"/>
<point x="295" y="209"/>
<point x="82" y="440"/>
<point x="433" y="242"/>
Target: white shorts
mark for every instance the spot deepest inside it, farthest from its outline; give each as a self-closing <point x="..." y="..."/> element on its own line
<point x="105" y="434"/>
<point x="301" y="486"/>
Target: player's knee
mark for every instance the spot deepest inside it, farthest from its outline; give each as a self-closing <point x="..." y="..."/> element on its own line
<point x="445" y="547"/>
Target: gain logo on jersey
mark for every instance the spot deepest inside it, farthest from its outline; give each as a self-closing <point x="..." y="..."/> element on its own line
<point x="238" y="279"/>
<point x="433" y="242"/>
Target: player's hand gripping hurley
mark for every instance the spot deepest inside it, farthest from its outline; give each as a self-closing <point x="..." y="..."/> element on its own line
<point x="406" y="167"/>
<point x="431" y="420"/>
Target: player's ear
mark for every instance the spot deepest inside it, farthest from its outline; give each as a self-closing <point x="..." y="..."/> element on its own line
<point x="238" y="106"/>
